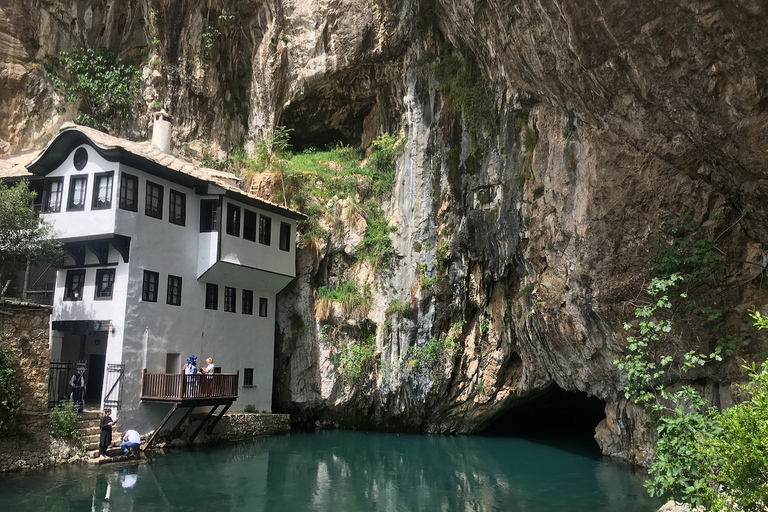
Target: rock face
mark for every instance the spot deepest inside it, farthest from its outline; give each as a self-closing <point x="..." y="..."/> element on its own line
<point x="534" y="224"/>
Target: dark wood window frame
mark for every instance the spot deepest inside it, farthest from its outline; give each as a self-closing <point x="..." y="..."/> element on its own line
<point x="76" y="197"/>
<point x="52" y="199"/>
<point x="177" y="207"/>
<point x="174" y="291"/>
<point x="209" y="215"/>
<point x="149" y="285"/>
<point x="248" y="377"/>
<point x="211" y="296"/>
<point x="73" y="285"/>
<point x="247" y="306"/>
<point x="230" y="299"/>
<point x="233" y="219"/>
<point x="263" y="307"/>
<point x="285" y="237"/>
<point x="103" y="201"/>
<point x="129" y="192"/>
<point x="265" y="230"/>
<point x="250" y="225"/>
<point x="105" y="284"/>
<point x="154" y="201"/>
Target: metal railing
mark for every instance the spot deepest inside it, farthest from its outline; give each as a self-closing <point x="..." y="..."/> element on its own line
<point x="59" y="373"/>
<point x="174" y="387"/>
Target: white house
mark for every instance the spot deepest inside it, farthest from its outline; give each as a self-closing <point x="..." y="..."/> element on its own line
<point x="163" y="260"/>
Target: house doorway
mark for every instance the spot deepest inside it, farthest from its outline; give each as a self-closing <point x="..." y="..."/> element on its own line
<point x="94" y="385"/>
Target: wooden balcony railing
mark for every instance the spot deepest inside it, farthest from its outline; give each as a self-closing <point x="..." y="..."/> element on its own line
<point x="177" y="387"/>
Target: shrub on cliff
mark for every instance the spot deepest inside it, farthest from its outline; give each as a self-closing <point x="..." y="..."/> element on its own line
<point x="102" y="87"/>
<point x="703" y="457"/>
<point x="11" y="400"/>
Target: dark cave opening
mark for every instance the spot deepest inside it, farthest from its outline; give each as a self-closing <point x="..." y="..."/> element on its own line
<point x="301" y="140"/>
<point x="555" y="415"/>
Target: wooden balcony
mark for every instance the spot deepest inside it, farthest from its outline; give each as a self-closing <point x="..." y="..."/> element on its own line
<point x="189" y="389"/>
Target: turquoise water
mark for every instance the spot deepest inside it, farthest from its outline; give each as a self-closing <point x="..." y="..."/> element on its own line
<point x="340" y="471"/>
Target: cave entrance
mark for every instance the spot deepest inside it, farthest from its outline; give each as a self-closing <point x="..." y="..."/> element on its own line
<point x="555" y="415"/>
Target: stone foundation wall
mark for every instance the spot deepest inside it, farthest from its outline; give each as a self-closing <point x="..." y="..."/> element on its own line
<point x="234" y="427"/>
<point x="25" y="328"/>
<point x="37" y="450"/>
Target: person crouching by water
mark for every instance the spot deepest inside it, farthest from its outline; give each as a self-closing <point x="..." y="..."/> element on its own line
<point x="77" y="383"/>
<point x="105" y="437"/>
<point x="131" y="442"/>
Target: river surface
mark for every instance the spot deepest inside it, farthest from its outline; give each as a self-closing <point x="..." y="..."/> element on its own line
<point x="341" y="471"/>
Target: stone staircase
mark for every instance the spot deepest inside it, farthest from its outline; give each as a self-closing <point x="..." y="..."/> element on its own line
<point x="89" y="423"/>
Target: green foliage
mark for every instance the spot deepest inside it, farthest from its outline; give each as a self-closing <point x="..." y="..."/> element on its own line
<point x="11" y="400"/>
<point x="436" y="351"/>
<point x="703" y="457"/>
<point x="271" y="151"/>
<point x="396" y="307"/>
<point x="103" y="87"/>
<point x="683" y="250"/>
<point x="61" y="421"/>
<point x="737" y="457"/>
<point x="381" y="163"/>
<point x="376" y="246"/>
<point x="426" y="281"/>
<point x="23" y="237"/>
<point x="251" y="409"/>
<point x="313" y="177"/>
<point x="348" y="295"/>
<point x="355" y="361"/>
<point x="485" y="325"/>
<point x="461" y="81"/>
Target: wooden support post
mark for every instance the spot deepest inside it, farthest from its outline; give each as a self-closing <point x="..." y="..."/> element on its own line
<point x="210" y="428"/>
<point x="176" y="428"/>
<point x="202" y="424"/>
<point x="148" y="443"/>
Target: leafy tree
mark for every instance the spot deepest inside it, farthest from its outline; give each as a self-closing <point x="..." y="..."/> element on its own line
<point x="11" y="400"/>
<point x="703" y="457"/>
<point x="24" y="239"/>
<point x="104" y="87"/>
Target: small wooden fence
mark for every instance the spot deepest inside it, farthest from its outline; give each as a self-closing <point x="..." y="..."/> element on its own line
<point x="177" y="387"/>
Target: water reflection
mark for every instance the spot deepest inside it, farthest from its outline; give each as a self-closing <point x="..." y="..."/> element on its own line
<point x="344" y="471"/>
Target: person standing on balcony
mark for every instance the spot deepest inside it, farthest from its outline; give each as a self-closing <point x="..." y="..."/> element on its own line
<point x="208" y="371"/>
<point x="77" y="383"/>
<point x="190" y="370"/>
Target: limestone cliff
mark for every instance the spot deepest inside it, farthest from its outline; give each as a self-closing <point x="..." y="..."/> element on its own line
<point x="523" y="235"/>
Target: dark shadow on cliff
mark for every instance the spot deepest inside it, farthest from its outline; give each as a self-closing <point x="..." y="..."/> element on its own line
<point x="557" y="417"/>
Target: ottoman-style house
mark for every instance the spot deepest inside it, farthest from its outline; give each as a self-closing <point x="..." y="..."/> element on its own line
<point x="164" y="260"/>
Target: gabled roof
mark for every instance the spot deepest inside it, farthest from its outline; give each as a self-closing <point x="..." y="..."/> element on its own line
<point x="140" y="155"/>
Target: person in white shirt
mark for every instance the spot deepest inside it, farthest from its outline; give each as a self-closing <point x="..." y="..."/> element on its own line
<point x="131" y="442"/>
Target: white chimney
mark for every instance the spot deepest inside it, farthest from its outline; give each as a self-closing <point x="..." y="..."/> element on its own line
<point x="161" y="131"/>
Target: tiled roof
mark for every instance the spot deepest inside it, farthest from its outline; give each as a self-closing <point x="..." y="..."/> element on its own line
<point x="150" y="152"/>
<point x="16" y="167"/>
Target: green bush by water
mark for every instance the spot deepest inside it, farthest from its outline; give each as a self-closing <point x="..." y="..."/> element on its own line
<point x="11" y="400"/>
